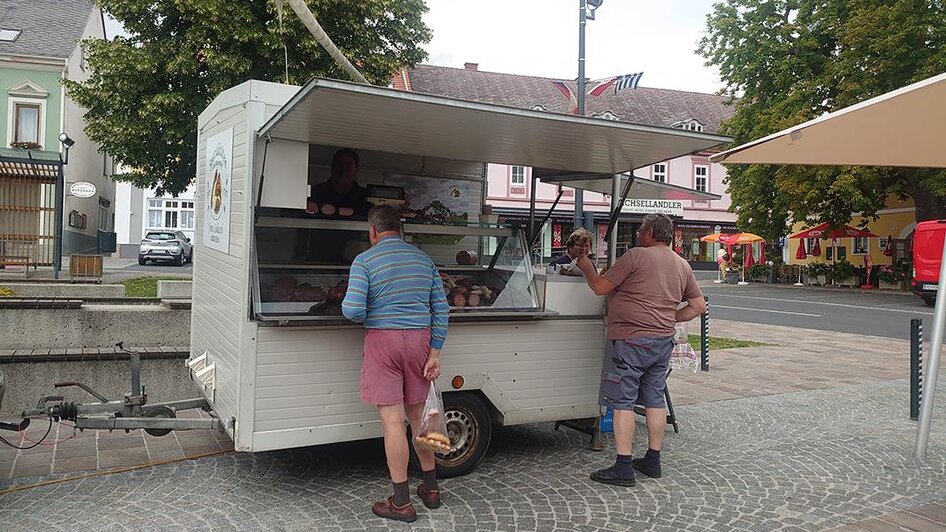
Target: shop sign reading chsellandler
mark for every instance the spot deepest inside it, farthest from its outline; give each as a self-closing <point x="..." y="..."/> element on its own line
<point x="216" y="193"/>
<point x="651" y="206"/>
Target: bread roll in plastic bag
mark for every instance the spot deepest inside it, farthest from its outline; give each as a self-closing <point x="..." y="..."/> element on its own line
<point x="433" y="427"/>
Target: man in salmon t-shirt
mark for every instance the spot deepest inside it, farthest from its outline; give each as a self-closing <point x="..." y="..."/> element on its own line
<point x="646" y="285"/>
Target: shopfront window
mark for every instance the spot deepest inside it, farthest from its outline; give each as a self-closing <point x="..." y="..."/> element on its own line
<point x="692" y="248"/>
<point x="170" y="214"/>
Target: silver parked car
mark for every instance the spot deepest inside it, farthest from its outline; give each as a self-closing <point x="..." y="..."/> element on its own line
<point x="166" y="246"/>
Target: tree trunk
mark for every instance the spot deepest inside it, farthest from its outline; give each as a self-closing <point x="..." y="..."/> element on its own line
<point x="929" y="206"/>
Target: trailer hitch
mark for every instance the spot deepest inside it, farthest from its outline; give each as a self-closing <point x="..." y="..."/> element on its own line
<point x="130" y="413"/>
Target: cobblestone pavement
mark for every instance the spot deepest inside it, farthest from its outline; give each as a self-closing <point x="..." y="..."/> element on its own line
<point x="806" y="460"/>
<point x="795" y="360"/>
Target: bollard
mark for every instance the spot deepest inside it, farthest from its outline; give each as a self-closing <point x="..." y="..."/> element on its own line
<point x="916" y="367"/>
<point x="704" y="338"/>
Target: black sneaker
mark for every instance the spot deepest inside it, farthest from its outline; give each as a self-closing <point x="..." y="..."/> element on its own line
<point x="647" y="467"/>
<point x="609" y="476"/>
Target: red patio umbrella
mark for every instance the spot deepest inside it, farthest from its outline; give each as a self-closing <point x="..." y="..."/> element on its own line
<point x="801" y="254"/>
<point x="823" y="231"/>
<point x="816" y="251"/>
<point x="749" y="261"/>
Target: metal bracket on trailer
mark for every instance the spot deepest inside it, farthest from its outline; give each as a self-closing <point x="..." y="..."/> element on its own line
<point x="131" y="412"/>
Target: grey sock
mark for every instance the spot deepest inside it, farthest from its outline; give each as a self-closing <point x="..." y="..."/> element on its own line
<point x="402" y="494"/>
<point x="623" y="466"/>
<point x="430" y="479"/>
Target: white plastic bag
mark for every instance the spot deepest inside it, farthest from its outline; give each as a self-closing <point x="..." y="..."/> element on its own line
<point x="680" y="335"/>
<point x="433" y="427"/>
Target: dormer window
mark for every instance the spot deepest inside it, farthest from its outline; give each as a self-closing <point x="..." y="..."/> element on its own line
<point x="607" y="115"/>
<point x="689" y="125"/>
<point x="8" y="35"/>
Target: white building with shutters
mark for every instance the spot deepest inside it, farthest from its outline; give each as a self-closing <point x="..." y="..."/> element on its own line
<point x="139" y="210"/>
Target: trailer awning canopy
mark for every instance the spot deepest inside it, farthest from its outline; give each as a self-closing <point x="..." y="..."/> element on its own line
<point x="640" y="189"/>
<point x="337" y="113"/>
<point x="906" y="127"/>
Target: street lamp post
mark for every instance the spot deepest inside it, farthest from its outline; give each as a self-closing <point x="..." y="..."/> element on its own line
<point x="582" y="17"/>
<point x="585" y="8"/>
<point x="67" y="143"/>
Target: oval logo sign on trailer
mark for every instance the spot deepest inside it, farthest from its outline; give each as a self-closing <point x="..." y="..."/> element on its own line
<point x="82" y="189"/>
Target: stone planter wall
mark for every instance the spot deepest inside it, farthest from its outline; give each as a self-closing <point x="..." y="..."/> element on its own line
<point x="891" y="286"/>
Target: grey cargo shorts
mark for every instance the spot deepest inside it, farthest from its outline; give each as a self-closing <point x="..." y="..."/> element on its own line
<point x="634" y="372"/>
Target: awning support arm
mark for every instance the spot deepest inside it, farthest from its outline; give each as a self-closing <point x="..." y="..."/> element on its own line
<point x="617" y="209"/>
<point x="262" y="179"/>
<point x="532" y="193"/>
<point x="932" y="364"/>
<point x="538" y="229"/>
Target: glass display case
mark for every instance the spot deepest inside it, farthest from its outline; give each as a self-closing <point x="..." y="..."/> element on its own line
<point x="302" y="267"/>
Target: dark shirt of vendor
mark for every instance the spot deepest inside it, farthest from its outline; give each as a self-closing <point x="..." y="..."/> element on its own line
<point x="341" y="190"/>
<point x="578" y="243"/>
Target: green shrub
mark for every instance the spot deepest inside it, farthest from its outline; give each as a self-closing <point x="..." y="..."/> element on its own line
<point x="843" y="270"/>
<point x="889" y="274"/>
<point x="818" y="268"/>
<point x="759" y="270"/>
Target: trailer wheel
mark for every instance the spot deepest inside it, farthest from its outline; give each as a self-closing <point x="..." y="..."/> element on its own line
<point x="159" y="411"/>
<point x="470" y="429"/>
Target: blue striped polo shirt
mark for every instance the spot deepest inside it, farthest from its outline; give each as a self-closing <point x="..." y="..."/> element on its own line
<point x="394" y="285"/>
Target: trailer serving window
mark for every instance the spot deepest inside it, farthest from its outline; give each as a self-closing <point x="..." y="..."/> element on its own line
<point x="484" y="268"/>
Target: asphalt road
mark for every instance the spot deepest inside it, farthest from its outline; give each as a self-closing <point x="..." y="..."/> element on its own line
<point x="874" y="313"/>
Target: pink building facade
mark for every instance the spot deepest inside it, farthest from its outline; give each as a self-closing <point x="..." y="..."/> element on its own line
<point x="509" y="190"/>
<point x="509" y="187"/>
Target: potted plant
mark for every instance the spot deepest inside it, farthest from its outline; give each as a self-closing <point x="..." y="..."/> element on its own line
<point x="844" y="274"/>
<point x="890" y="278"/>
<point x="759" y="273"/>
<point x="26" y="145"/>
<point x="817" y="273"/>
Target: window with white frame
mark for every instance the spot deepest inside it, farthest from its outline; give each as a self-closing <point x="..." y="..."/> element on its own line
<point x="660" y="172"/>
<point x="861" y="246"/>
<point x="26" y="122"/>
<point x="518" y="176"/>
<point x="170" y="214"/>
<point x="25" y="118"/>
<point x="702" y="174"/>
<point x="689" y="125"/>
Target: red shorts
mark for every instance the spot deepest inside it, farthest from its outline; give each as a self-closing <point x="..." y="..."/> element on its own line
<point x="392" y="371"/>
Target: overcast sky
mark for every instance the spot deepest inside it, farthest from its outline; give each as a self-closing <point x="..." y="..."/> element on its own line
<point x="540" y="38"/>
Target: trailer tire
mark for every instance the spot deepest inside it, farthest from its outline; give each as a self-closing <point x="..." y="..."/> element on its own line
<point x="159" y="411"/>
<point x="470" y="426"/>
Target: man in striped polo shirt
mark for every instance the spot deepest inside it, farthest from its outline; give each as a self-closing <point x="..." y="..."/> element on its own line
<point x="395" y="290"/>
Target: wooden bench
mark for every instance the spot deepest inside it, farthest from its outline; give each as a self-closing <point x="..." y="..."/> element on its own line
<point x="17" y="260"/>
<point x="17" y="253"/>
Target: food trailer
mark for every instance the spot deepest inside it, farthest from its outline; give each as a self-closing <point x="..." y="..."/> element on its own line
<point x="269" y="347"/>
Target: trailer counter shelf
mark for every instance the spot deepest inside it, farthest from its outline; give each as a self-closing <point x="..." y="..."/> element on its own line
<point x="280" y="367"/>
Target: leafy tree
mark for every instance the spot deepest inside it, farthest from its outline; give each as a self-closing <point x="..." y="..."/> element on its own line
<point x="146" y="90"/>
<point x="789" y="61"/>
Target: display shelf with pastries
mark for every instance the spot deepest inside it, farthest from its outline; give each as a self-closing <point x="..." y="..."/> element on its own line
<point x="484" y="270"/>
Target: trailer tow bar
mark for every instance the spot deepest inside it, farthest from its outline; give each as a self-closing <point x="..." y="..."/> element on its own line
<point x="130" y="413"/>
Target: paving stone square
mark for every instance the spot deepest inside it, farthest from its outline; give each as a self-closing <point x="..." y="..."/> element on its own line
<point x="808" y="460"/>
